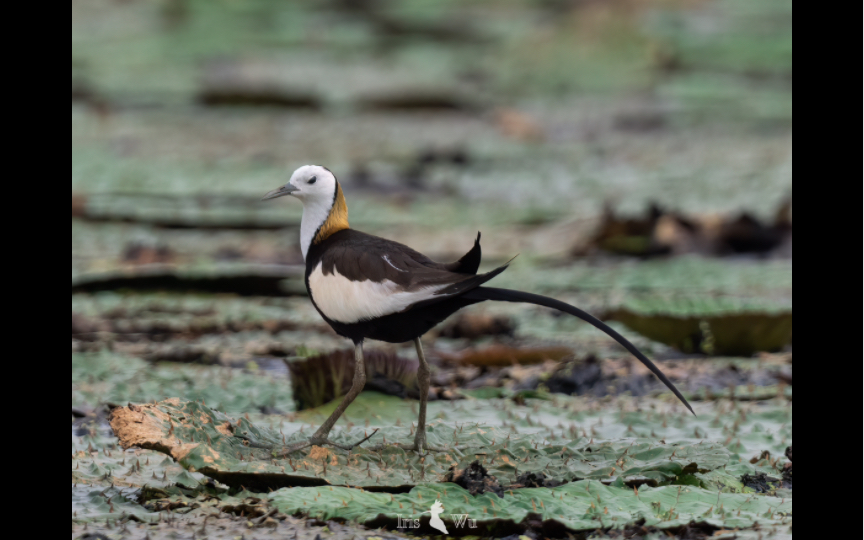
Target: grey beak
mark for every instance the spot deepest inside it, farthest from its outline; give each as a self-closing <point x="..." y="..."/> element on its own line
<point x="283" y="191"/>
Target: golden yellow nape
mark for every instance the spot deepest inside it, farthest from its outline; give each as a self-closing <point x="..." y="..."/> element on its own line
<point x="337" y="220"/>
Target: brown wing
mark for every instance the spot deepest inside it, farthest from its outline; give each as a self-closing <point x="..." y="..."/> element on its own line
<point x="362" y="257"/>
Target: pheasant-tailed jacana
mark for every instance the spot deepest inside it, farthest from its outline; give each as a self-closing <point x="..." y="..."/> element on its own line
<point x="367" y="287"/>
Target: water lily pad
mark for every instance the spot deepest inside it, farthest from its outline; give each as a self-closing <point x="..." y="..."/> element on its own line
<point x="240" y="453"/>
<point x="580" y="506"/>
<point x="725" y="325"/>
<point x="112" y="504"/>
<point x="110" y="378"/>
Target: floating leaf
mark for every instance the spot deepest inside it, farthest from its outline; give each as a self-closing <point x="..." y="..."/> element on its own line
<point x="241" y="453"/>
<point x="579" y="506"/>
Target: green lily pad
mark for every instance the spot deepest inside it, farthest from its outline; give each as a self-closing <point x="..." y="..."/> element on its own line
<point x="112" y="504"/>
<point x="580" y="506"/>
<point x="744" y="428"/>
<point x="110" y="378"/>
<point x="731" y="326"/>
<point x="239" y="453"/>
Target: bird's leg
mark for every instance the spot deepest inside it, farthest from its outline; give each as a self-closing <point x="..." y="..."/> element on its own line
<point x="424" y="378"/>
<point x="357" y="387"/>
<point x="320" y="436"/>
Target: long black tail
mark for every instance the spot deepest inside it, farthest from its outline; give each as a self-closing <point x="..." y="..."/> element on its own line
<point x="506" y="295"/>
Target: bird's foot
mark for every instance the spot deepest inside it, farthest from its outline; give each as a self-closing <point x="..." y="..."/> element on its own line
<point x="323" y="441"/>
<point x="421" y="447"/>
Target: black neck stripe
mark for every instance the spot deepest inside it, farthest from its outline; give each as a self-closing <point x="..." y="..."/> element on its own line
<point x="332" y="206"/>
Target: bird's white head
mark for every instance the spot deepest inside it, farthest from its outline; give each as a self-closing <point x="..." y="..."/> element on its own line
<point x="310" y="184"/>
<point x="324" y="209"/>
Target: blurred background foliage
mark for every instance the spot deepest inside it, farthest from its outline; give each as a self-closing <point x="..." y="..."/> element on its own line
<point x="554" y="106"/>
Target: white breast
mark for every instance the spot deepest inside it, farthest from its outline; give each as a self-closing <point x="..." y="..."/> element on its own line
<point x="346" y="301"/>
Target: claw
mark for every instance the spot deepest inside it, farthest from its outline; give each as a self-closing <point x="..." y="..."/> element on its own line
<point x="315" y="442"/>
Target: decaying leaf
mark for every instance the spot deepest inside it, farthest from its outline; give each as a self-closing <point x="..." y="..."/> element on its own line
<point x="473" y="326"/>
<point x="502" y="356"/>
<point x="661" y="232"/>
<point x="475" y="479"/>
<point x="321" y="379"/>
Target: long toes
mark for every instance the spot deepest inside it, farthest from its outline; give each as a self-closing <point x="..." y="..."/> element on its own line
<point x="294" y="448"/>
<point x="346" y="447"/>
<point x="379" y="447"/>
<point x="358" y="443"/>
<point x="339" y="446"/>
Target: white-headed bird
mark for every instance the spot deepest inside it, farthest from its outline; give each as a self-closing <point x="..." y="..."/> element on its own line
<point x="367" y="287"/>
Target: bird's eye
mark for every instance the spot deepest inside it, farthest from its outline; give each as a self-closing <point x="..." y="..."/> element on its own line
<point x="313" y="180"/>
